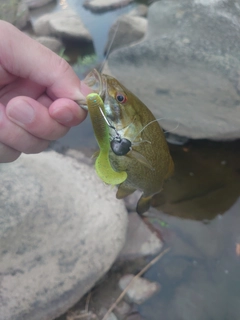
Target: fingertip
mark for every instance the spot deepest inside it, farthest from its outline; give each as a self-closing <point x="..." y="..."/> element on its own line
<point x="67" y="112"/>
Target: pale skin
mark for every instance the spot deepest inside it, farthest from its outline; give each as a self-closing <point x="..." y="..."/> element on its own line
<point x="38" y="94"/>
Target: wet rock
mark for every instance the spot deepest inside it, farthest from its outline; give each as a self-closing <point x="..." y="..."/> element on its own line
<point x="111" y="316"/>
<point x="126" y="30"/>
<point x="23" y="15"/>
<point x="51" y="43"/>
<point x="60" y="231"/>
<point x="200" y="298"/>
<point x="123" y="308"/>
<point x="64" y="24"/>
<point x="15" y="12"/>
<point x="140" y="11"/>
<point x="140" y="240"/>
<point x="132" y="200"/>
<point x="175" y="139"/>
<point x="135" y="316"/>
<point x="37" y="3"/>
<point x="140" y="290"/>
<point x="187" y="67"/>
<point x="105" y="5"/>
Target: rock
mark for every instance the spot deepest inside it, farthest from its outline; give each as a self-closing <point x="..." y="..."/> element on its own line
<point x="61" y="229"/>
<point x="134" y="316"/>
<point x="111" y="316"/>
<point x="126" y="30"/>
<point x="132" y="200"/>
<point x="187" y="68"/>
<point x="105" y="5"/>
<point x="37" y="3"/>
<point x="140" y="240"/>
<point x="65" y="24"/>
<point x="140" y="290"/>
<point x="15" y="12"/>
<point x="175" y="139"/>
<point x="123" y="308"/>
<point x="140" y="11"/>
<point x="199" y="298"/>
<point x="22" y="16"/>
<point x="51" y="43"/>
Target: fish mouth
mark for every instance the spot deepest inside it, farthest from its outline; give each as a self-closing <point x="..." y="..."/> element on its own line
<point x="97" y="83"/>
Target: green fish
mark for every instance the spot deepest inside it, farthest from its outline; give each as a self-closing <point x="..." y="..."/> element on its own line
<point x="133" y="150"/>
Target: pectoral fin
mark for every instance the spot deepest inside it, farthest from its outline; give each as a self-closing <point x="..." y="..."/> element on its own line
<point x="124" y="191"/>
<point x="136" y="155"/>
<point x="143" y="204"/>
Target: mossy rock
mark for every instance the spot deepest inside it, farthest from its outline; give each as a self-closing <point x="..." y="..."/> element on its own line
<point x="14" y="12"/>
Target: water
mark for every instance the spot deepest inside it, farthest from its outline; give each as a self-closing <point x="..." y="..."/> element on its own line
<point x="200" y="208"/>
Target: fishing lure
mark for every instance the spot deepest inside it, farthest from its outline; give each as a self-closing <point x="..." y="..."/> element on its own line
<point x="101" y="131"/>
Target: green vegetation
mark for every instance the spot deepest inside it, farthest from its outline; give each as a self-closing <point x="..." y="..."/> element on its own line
<point x="83" y="63"/>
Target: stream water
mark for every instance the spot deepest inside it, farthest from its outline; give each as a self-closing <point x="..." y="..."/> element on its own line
<point x="198" y="213"/>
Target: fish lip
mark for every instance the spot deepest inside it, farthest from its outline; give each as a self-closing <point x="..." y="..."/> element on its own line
<point x="96" y="82"/>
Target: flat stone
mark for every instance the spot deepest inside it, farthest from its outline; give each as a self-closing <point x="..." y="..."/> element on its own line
<point x="37" y="3"/>
<point x="186" y="69"/>
<point x="140" y="11"/>
<point x="61" y="229"/>
<point x="51" y="43"/>
<point x="105" y="5"/>
<point x="127" y="29"/>
<point x="65" y="24"/>
<point x="140" y="289"/>
<point x="141" y="241"/>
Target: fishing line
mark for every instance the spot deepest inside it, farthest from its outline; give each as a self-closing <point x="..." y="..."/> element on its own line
<point x="118" y="137"/>
<point x="169" y="131"/>
<point x="156" y="120"/>
<point x="109" y="48"/>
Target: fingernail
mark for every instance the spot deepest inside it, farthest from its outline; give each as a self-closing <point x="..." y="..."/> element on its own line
<point x="20" y="111"/>
<point x="63" y="115"/>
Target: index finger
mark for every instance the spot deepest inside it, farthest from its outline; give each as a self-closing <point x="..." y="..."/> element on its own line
<point x="24" y="57"/>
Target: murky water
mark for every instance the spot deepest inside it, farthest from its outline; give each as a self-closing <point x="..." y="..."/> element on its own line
<point x="200" y="208"/>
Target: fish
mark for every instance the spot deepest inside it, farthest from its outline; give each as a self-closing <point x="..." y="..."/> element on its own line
<point x="132" y="143"/>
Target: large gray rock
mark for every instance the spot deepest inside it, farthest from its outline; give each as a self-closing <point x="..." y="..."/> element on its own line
<point x="65" y="24"/>
<point x="126" y="30"/>
<point x="187" y="68"/>
<point x="61" y="229"/>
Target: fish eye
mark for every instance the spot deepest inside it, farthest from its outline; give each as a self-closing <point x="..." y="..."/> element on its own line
<point x="121" y="98"/>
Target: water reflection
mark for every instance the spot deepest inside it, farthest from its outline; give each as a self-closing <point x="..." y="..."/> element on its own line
<point x="206" y="180"/>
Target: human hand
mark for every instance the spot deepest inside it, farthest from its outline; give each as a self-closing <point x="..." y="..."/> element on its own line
<point x="38" y="90"/>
